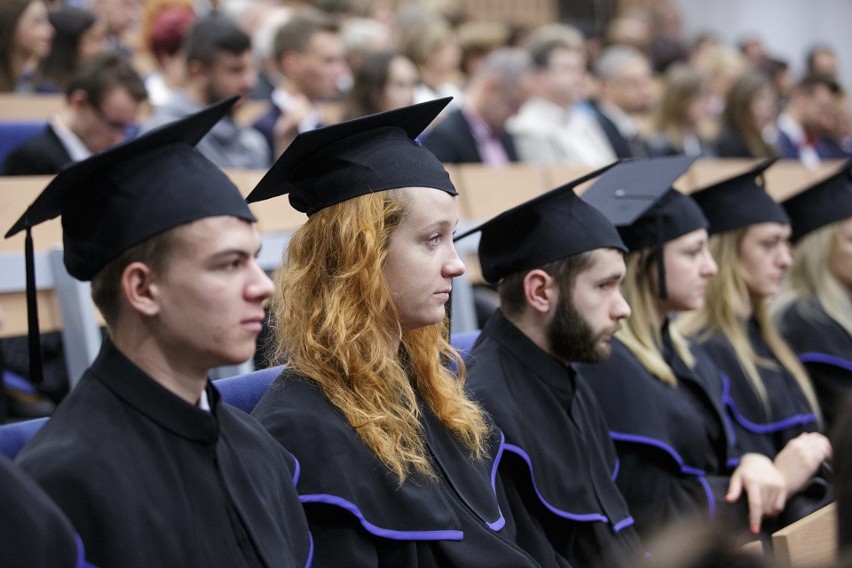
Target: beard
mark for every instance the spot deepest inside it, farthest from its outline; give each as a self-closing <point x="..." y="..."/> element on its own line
<point x="571" y="337"/>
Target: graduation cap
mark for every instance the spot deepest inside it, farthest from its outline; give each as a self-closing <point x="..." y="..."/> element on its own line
<point x="550" y="227"/>
<point x="820" y="204"/>
<point x="739" y="201"/>
<point x="637" y="197"/>
<point x="373" y="153"/>
<point x="126" y="195"/>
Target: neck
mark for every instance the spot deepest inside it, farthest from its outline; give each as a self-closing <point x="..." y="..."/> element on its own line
<point x="169" y="369"/>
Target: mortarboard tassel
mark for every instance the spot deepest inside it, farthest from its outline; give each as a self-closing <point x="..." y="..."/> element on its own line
<point x="33" y="338"/>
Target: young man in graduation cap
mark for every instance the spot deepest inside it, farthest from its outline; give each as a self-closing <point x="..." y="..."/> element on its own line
<point x="557" y="263"/>
<point x="147" y="462"/>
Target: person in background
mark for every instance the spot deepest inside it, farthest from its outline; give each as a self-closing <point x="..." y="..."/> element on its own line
<point x="431" y="44"/>
<point x="557" y="263"/>
<point x="384" y="81"/>
<point x="25" y="36"/>
<point x="551" y="126"/>
<point x="681" y="113"/>
<point x="821" y="59"/>
<point x="807" y="119"/>
<point x="396" y="459"/>
<point x="771" y="400"/>
<point x="476" y="133"/>
<point x="219" y="64"/>
<point x="748" y="121"/>
<point x="121" y="18"/>
<point x="310" y="59"/>
<point x="164" y="37"/>
<point x="78" y="36"/>
<point x="625" y="93"/>
<point x="814" y="308"/>
<point x="103" y="100"/>
<point x="147" y="462"/>
<point x="662" y="396"/>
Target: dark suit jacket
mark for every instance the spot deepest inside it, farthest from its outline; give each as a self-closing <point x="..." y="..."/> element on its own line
<point x="41" y="155"/>
<point x="266" y="124"/>
<point x="452" y="141"/>
<point x="825" y="149"/>
<point x="620" y="145"/>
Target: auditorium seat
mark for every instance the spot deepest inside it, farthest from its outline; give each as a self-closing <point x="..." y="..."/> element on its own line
<point x="245" y="391"/>
<point x="15" y="436"/>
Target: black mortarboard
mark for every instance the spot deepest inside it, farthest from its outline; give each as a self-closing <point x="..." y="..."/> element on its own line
<point x="335" y="163"/>
<point x="823" y="203"/>
<point x="739" y="201"/>
<point x="128" y="194"/>
<point x="637" y="197"/>
<point x="550" y="227"/>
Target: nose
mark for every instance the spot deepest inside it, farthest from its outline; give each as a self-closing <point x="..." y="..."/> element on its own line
<point x="260" y="286"/>
<point x="709" y="268"/>
<point x="620" y="308"/>
<point x="454" y="265"/>
<point x="785" y="257"/>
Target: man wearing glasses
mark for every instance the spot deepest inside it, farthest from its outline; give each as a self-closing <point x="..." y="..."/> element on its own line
<point x="102" y="104"/>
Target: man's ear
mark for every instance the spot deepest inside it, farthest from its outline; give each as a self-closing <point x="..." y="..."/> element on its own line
<point x="140" y="289"/>
<point x="540" y="290"/>
<point x="78" y="99"/>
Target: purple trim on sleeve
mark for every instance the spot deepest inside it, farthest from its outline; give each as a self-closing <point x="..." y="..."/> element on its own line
<point x="501" y="521"/>
<point x="827" y="359"/>
<point x="616" y="469"/>
<point x="310" y="559"/>
<point x="770" y="427"/>
<point x="698" y="474"/>
<point x="581" y="517"/>
<point x="379" y="531"/>
<point x="81" y="554"/>
<point x="296" y="471"/>
<point x="726" y="394"/>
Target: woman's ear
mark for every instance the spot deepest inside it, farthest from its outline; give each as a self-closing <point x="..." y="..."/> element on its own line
<point x="140" y="290"/>
<point x="540" y="290"/>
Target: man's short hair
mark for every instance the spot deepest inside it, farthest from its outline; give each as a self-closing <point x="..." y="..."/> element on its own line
<point x="99" y="74"/>
<point x="511" y="288"/>
<point x="545" y="40"/>
<point x="809" y="83"/>
<point x="296" y="33"/>
<point x="212" y="35"/>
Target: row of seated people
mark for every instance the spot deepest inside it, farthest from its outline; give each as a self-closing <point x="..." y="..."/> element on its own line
<point x="368" y="450"/>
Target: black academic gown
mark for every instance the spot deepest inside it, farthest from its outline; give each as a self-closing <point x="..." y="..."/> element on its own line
<point x="33" y="531"/>
<point x="675" y="443"/>
<point x="766" y="430"/>
<point x="150" y="480"/>
<point x="559" y="465"/>
<point x="825" y="348"/>
<point x="359" y="514"/>
<point x="759" y="429"/>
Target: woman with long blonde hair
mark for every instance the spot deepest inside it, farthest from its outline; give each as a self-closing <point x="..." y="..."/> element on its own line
<point x="662" y="395"/>
<point x="771" y="400"/>
<point x="396" y="460"/>
<point x="814" y="309"/>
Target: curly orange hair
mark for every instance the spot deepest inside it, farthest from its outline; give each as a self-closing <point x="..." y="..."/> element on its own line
<point x="337" y="324"/>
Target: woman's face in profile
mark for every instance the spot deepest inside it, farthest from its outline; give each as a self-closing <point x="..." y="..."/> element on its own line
<point x="422" y="259"/>
<point x="841" y="258"/>
<point x="765" y="256"/>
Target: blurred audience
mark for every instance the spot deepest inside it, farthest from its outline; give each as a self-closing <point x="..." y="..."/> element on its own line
<point x="807" y="120"/>
<point x="103" y="99"/>
<point x="553" y="126"/>
<point x="748" y="121"/>
<point x="25" y="38"/>
<point x="682" y="109"/>
<point x="219" y="64"/>
<point x="310" y="59"/>
<point x="78" y="36"/>
<point x="625" y="92"/>
<point x="477" y="133"/>
<point x="386" y="80"/>
<point x="163" y="38"/>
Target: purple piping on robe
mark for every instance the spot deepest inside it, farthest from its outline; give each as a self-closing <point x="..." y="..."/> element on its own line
<point x="581" y="517"/>
<point x="771" y="427"/>
<point x="698" y="474"/>
<point x="814" y="357"/>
